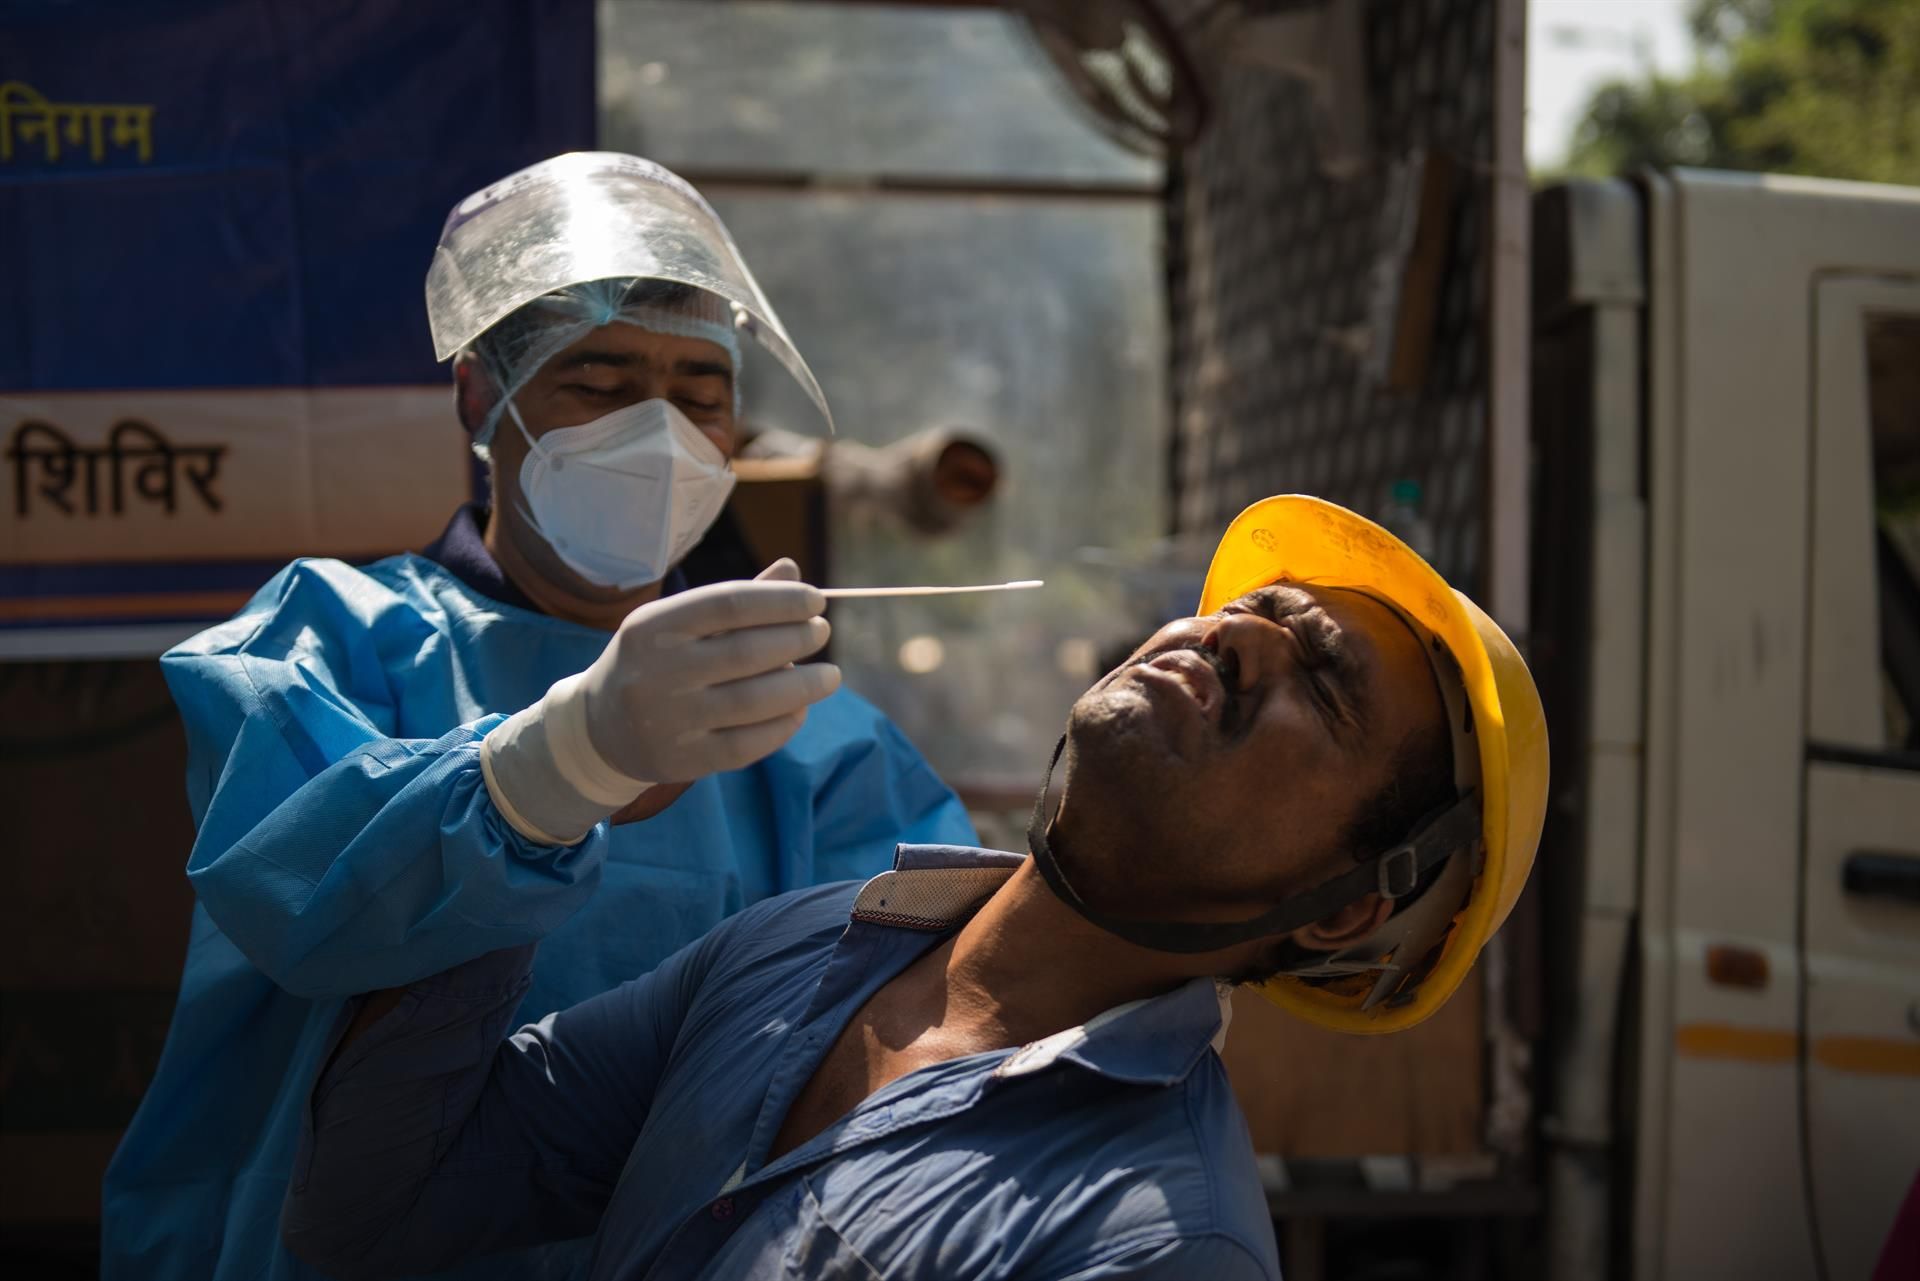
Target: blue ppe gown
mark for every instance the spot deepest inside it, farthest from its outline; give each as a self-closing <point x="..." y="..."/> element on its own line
<point x="348" y="843"/>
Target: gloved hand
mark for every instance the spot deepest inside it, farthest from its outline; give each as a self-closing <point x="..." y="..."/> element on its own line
<point x="689" y="685"/>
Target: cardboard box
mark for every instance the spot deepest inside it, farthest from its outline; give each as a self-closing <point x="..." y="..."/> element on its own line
<point x="1311" y="1093"/>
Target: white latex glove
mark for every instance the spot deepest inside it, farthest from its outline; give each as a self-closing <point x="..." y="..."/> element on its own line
<point x="690" y="685"/>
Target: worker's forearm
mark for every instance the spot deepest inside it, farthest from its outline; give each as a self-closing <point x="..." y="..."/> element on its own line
<point x="388" y="1108"/>
<point x="373" y="1007"/>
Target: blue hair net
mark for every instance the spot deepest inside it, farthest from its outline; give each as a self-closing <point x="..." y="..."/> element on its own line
<point x="520" y="345"/>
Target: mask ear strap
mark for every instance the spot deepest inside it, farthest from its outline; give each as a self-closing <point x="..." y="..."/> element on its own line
<point x="521" y="423"/>
<point x="520" y="497"/>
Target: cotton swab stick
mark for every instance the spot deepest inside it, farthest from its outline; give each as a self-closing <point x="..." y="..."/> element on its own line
<point x="874" y="593"/>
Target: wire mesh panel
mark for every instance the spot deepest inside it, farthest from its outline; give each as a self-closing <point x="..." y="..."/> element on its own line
<point x="1269" y="274"/>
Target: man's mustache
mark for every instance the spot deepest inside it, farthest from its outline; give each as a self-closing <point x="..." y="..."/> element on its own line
<point x="1227" y="668"/>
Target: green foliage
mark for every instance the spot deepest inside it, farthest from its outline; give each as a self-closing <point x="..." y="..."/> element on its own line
<point x="1823" y="87"/>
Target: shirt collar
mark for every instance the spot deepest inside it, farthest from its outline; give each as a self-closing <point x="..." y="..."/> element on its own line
<point x="1151" y="1042"/>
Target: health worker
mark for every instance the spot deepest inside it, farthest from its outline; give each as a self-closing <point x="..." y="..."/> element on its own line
<point x="533" y="730"/>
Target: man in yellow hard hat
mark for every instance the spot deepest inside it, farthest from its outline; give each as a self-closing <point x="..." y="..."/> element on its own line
<point x="1330" y="781"/>
<point x="1456" y="764"/>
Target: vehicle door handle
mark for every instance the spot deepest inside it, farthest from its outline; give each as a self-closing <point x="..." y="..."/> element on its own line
<point x="1881" y="874"/>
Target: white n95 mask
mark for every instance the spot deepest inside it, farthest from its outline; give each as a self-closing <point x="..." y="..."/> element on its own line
<point x="621" y="499"/>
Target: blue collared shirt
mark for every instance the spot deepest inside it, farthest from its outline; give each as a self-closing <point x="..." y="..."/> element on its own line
<point x="1114" y="1149"/>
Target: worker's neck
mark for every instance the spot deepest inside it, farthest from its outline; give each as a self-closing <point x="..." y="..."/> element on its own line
<point x="1027" y="966"/>
<point x="532" y="567"/>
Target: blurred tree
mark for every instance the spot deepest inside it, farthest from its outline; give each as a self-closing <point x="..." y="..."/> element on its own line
<point x="1823" y="87"/>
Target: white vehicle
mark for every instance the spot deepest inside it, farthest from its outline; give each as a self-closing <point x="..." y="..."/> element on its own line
<point x="1727" y="624"/>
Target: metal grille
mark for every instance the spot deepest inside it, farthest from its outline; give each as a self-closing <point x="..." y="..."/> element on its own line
<point x="1269" y="265"/>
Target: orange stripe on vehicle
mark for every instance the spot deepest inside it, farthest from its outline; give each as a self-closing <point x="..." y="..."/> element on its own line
<point x="41" y="608"/>
<point x="1729" y="1041"/>
<point x="1878" y="1055"/>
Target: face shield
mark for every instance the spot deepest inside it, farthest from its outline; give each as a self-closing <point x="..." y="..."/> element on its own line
<point x="588" y="239"/>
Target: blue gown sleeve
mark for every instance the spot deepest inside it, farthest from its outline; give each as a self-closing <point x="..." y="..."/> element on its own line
<point x="338" y="858"/>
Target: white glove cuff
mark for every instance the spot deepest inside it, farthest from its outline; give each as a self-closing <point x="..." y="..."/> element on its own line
<point x="544" y="775"/>
<point x="574" y="754"/>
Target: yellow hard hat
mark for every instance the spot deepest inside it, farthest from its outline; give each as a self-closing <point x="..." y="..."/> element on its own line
<point x="1295" y="538"/>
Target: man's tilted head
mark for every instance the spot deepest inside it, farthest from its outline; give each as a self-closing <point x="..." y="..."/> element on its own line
<point x="1234" y="759"/>
<point x="1334" y="774"/>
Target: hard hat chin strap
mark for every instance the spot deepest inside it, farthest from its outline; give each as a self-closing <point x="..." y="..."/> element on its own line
<point x="1393" y="875"/>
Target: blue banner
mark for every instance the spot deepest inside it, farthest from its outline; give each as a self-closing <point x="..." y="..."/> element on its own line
<point x="244" y="193"/>
<point x="216" y="218"/>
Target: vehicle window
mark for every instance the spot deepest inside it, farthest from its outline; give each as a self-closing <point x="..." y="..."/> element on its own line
<point x="1893" y="398"/>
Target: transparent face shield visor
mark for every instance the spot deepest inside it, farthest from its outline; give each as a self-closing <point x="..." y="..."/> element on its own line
<point x="586" y="216"/>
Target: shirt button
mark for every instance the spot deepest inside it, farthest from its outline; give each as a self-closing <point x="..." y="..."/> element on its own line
<point x="722" y="1209"/>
